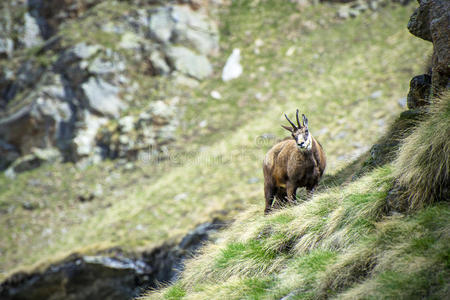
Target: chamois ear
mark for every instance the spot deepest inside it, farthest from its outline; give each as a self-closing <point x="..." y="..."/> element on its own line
<point x="290" y="129"/>
<point x="305" y="121"/>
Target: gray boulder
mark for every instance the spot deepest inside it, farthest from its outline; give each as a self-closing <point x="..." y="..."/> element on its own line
<point x="179" y="24"/>
<point x="195" y="30"/>
<point x="84" y="140"/>
<point x="189" y="63"/>
<point x="103" y="97"/>
<point x="161" y="24"/>
<point x="85" y="51"/>
<point x="32" y="36"/>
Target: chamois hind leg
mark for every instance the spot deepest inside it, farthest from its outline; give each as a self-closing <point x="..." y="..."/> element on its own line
<point x="269" y="194"/>
<point x="281" y="198"/>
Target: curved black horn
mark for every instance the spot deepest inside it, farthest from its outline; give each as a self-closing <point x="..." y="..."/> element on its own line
<point x="298" y="121"/>
<point x="293" y="125"/>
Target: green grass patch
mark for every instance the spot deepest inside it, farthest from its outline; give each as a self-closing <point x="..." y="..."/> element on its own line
<point x="174" y="293"/>
<point x="236" y="252"/>
<point x="418" y="284"/>
<point x="282" y="219"/>
<point x="314" y="262"/>
<point x="256" y="287"/>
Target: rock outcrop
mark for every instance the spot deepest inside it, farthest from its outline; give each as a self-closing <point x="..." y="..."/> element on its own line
<point x="147" y="133"/>
<point x="431" y="22"/>
<point x="59" y="94"/>
<point x="109" y="276"/>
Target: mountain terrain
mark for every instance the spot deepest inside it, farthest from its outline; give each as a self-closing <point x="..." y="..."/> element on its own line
<point x="124" y="153"/>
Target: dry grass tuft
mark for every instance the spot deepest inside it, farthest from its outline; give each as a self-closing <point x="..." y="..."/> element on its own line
<point x="423" y="163"/>
<point x="352" y="267"/>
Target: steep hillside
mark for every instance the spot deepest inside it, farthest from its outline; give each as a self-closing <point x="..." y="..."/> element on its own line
<point x="345" y="243"/>
<point x="349" y="76"/>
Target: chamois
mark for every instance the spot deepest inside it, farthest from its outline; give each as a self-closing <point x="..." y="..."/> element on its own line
<point x="292" y="163"/>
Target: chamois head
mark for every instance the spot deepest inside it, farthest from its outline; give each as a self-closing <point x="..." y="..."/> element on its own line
<point x="300" y="133"/>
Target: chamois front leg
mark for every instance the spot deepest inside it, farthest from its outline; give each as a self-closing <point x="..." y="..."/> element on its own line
<point x="310" y="191"/>
<point x="269" y="193"/>
<point x="291" y="190"/>
<point x="311" y="187"/>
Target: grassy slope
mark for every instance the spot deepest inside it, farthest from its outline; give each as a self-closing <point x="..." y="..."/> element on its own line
<point x="344" y="243"/>
<point x="340" y="245"/>
<point x="347" y="242"/>
<point x="329" y="77"/>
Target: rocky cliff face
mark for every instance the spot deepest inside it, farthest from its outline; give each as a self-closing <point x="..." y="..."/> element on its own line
<point x="66" y="82"/>
<point x="431" y="22"/>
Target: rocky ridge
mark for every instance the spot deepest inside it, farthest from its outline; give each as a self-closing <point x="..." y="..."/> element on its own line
<point x="67" y="91"/>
